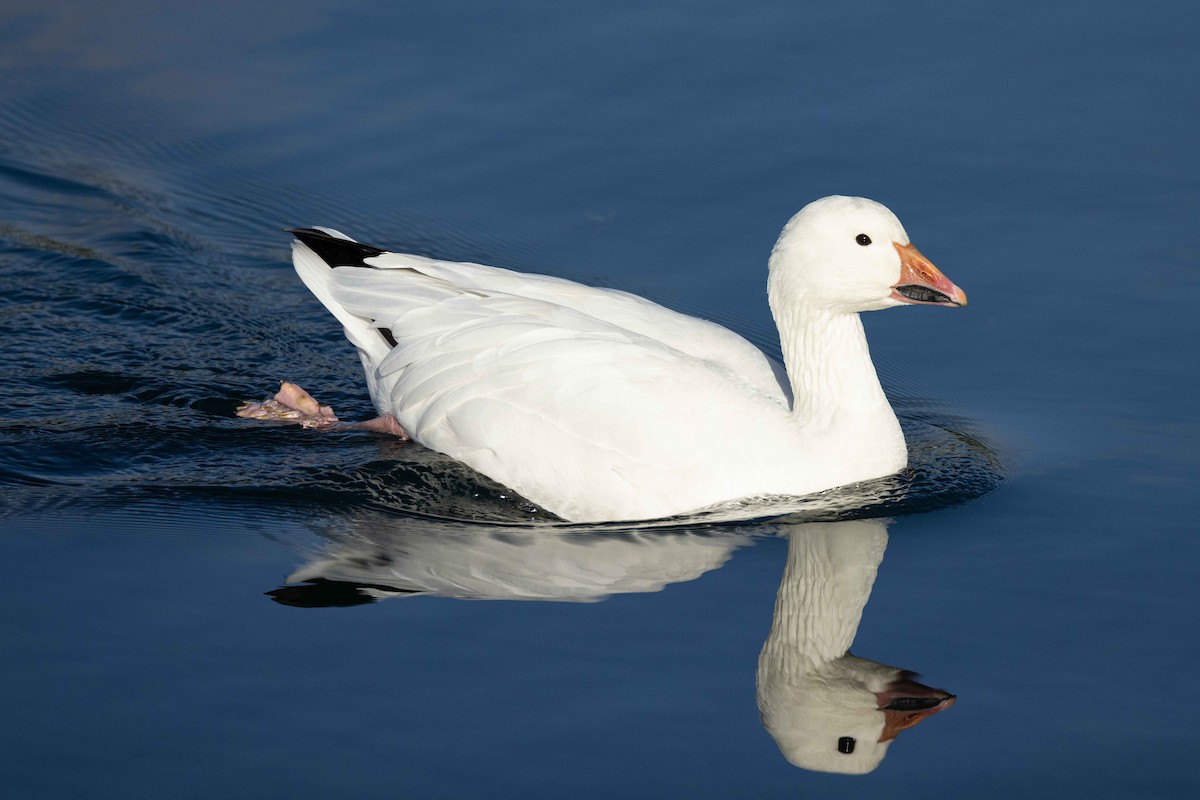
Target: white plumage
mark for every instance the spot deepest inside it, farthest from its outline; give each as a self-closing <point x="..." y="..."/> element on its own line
<point x="600" y="405"/>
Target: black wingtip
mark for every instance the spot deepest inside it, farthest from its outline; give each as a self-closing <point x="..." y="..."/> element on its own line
<point x="334" y="251"/>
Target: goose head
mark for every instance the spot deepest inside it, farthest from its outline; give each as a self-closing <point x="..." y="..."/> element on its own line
<point x="851" y="254"/>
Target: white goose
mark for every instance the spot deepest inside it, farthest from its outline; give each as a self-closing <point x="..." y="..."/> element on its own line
<point x="600" y="405"/>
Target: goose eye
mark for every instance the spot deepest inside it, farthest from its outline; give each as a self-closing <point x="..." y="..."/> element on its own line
<point x="846" y="743"/>
<point x="863" y="239"/>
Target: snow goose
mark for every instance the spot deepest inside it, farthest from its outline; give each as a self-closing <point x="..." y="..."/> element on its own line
<point x="599" y="405"/>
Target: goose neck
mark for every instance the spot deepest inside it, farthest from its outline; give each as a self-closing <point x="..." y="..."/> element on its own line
<point x="828" y="363"/>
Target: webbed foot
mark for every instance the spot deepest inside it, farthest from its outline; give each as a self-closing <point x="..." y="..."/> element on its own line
<point x="290" y="404"/>
<point x="293" y="404"/>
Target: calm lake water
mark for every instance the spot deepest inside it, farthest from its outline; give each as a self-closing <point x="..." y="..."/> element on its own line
<point x="197" y="606"/>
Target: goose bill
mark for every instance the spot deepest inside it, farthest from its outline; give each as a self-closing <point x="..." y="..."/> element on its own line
<point x="921" y="283"/>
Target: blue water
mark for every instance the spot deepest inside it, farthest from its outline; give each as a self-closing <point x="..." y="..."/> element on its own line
<point x="1041" y="559"/>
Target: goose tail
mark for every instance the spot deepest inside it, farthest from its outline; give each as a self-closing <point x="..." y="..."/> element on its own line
<point x="316" y="254"/>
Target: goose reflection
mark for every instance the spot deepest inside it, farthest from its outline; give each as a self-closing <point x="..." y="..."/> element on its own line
<point x="377" y="561"/>
<point x="827" y="709"/>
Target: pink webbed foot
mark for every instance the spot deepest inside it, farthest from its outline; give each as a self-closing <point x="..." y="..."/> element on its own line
<point x="293" y="404"/>
<point x="290" y="404"/>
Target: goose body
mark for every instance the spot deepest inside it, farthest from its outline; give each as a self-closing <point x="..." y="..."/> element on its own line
<point x="600" y="405"/>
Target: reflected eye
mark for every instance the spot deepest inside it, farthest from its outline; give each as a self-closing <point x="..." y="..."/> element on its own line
<point x="846" y="743"/>
<point x="864" y="240"/>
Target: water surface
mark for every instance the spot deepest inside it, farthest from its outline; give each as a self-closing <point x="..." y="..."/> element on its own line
<point x="194" y="605"/>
